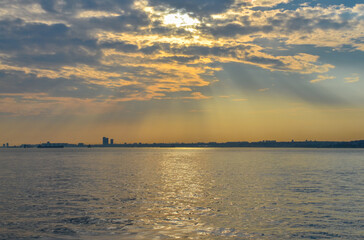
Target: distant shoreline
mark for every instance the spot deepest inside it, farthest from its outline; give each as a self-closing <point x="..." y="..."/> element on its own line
<point x="261" y="144"/>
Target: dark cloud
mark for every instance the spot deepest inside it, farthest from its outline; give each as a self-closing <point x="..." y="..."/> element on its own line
<point x="295" y="4"/>
<point x="43" y="44"/>
<point x="299" y="23"/>
<point x="233" y="29"/>
<point x="331" y="24"/>
<point x="18" y="34"/>
<point x="169" y="30"/>
<point x="120" y="46"/>
<point x="284" y="22"/>
<point x="20" y="82"/>
<point x="57" y="6"/>
<point x="196" y="50"/>
<point x="179" y="59"/>
<point x="291" y="22"/>
<point x="274" y="63"/>
<point x="151" y="49"/>
<point x="130" y="22"/>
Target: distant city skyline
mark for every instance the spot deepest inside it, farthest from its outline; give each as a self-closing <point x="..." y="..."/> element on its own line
<point x="240" y="144"/>
<point x="105" y="142"/>
<point x="181" y="71"/>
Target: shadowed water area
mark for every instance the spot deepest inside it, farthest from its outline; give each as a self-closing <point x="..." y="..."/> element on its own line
<point x="168" y="193"/>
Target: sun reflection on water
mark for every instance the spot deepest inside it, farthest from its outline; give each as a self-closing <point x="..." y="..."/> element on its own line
<point x="181" y="192"/>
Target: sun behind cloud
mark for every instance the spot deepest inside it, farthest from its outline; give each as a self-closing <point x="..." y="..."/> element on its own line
<point x="179" y="19"/>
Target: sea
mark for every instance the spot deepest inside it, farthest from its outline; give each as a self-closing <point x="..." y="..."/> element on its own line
<point x="181" y="193"/>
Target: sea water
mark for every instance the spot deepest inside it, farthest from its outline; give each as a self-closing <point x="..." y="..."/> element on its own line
<point x="187" y="193"/>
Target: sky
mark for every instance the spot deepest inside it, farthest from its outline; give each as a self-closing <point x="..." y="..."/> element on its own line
<point x="181" y="71"/>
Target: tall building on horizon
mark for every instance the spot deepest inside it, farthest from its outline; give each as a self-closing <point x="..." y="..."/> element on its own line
<point x="105" y="141"/>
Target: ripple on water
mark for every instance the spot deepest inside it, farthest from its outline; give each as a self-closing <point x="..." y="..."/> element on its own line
<point x="58" y="229"/>
<point x="181" y="193"/>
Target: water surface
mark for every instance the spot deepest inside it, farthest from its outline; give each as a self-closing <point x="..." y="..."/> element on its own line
<point x="192" y="193"/>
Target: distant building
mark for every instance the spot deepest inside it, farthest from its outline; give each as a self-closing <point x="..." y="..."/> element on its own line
<point x="7" y="145"/>
<point x="105" y="141"/>
<point x="111" y="141"/>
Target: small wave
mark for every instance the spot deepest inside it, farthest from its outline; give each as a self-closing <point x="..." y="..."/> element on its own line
<point x="59" y="229"/>
<point x="82" y="220"/>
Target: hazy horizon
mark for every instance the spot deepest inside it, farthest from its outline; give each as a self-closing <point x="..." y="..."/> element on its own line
<point x="116" y="142"/>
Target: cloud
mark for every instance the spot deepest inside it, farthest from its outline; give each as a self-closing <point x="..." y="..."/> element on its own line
<point x="131" y="21"/>
<point x="128" y="50"/>
<point x="40" y="44"/>
<point x="264" y="3"/>
<point x="57" y="6"/>
<point x="233" y="29"/>
<point x="321" y="78"/>
<point x="353" y="79"/>
<point x="196" y="96"/>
